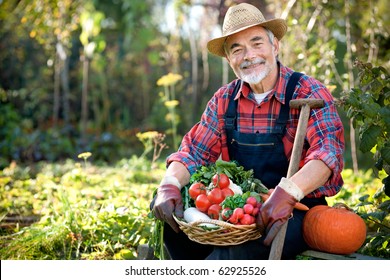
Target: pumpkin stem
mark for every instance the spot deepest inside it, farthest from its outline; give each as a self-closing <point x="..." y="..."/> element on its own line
<point x="341" y="205"/>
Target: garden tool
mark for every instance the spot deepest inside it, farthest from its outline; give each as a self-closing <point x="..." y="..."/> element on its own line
<point x="305" y="105"/>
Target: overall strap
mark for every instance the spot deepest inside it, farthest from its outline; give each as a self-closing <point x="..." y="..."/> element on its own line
<point x="231" y="112"/>
<point x="280" y="126"/>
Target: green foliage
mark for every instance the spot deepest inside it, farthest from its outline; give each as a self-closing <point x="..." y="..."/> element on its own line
<point x="9" y="130"/>
<point x="368" y="105"/>
<point x="86" y="211"/>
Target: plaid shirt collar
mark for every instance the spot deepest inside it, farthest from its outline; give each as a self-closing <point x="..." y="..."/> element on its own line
<point x="277" y="91"/>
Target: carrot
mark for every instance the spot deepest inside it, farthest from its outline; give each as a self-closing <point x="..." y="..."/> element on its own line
<point x="264" y="196"/>
<point x="301" y="206"/>
<point x="298" y="205"/>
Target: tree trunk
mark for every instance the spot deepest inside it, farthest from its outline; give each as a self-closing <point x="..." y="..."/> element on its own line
<point x="351" y="85"/>
<point x="84" y="101"/>
<point x="194" y="69"/>
<point x="206" y="69"/>
<point x="57" y="89"/>
<point x="66" y="90"/>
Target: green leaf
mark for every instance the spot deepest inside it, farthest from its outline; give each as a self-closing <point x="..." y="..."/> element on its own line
<point x="378" y="215"/>
<point x="385" y="154"/>
<point x="364" y="197"/>
<point x="369" y="138"/>
<point x="371" y="109"/>
<point x="385" y="206"/>
<point x="384" y="112"/>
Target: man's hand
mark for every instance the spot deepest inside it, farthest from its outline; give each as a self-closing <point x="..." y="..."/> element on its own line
<point x="167" y="201"/>
<point x="274" y="213"/>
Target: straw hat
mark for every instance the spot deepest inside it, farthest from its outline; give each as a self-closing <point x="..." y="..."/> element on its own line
<point x="241" y="17"/>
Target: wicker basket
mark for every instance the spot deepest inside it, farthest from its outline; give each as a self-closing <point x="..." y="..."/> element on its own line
<point x="224" y="234"/>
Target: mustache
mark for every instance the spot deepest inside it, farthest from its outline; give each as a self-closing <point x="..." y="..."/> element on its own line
<point x="249" y="63"/>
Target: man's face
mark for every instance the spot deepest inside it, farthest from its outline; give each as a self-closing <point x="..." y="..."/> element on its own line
<point x="251" y="54"/>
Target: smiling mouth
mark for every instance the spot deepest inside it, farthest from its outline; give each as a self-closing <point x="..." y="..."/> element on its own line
<point x="251" y="66"/>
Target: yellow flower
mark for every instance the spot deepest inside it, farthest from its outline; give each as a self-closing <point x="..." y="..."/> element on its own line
<point x="146" y="135"/>
<point x="84" y="155"/>
<point x="171" y="103"/>
<point x="169" y="79"/>
<point x="331" y="87"/>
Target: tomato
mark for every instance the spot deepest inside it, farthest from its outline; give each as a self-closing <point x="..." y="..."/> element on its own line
<point x="214" y="211"/>
<point x="221" y="180"/>
<point x="215" y="179"/>
<point x="215" y="196"/>
<point x="248" y="208"/>
<point x="196" y="189"/>
<point x="251" y="200"/>
<point x="227" y="192"/>
<point x="239" y="212"/>
<point x="202" y="203"/>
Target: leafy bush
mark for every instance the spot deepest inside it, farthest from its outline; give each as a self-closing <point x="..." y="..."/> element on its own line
<point x="86" y="211"/>
<point x="368" y="105"/>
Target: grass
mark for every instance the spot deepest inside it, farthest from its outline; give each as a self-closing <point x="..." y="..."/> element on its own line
<point x="86" y="212"/>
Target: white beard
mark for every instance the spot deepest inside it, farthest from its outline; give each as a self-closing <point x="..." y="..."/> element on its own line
<point x="255" y="77"/>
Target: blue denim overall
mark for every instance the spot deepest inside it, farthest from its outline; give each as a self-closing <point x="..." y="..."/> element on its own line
<point x="264" y="153"/>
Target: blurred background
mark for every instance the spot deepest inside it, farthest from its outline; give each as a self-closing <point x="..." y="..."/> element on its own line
<point x="97" y="76"/>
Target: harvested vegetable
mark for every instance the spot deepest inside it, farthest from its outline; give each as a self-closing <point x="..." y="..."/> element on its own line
<point x="192" y="215"/>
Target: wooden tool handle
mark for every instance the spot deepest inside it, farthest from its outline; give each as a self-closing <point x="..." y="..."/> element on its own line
<point x="306" y="105"/>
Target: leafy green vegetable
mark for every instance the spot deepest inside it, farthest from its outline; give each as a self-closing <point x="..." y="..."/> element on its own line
<point x="244" y="178"/>
<point x="235" y="201"/>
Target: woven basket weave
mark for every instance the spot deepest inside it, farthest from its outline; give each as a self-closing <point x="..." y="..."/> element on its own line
<point x="224" y="234"/>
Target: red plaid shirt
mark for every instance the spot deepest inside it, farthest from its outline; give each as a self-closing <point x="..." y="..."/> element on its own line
<point x="206" y="141"/>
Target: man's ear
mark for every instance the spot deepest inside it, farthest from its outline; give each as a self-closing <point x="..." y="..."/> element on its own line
<point x="227" y="58"/>
<point x="275" y="45"/>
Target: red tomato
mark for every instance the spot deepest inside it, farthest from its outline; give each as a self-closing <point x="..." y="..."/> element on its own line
<point x="224" y="181"/>
<point x="214" y="211"/>
<point x="196" y="189"/>
<point x="251" y="200"/>
<point x="239" y="212"/>
<point x="248" y="208"/>
<point x="227" y="192"/>
<point x="221" y="180"/>
<point x="215" y="196"/>
<point x="202" y="203"/>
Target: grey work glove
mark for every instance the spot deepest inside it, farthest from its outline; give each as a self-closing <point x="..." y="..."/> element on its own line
<point x="168" y="201"/>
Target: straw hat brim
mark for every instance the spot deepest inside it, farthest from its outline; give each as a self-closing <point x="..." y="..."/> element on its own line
<point x="277" y="26"/>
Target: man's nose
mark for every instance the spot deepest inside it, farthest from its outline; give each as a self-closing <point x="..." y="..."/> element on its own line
<point x="249" y="54"/>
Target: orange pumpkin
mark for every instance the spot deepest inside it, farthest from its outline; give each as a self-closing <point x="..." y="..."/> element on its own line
<point x="336" y="229"/>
